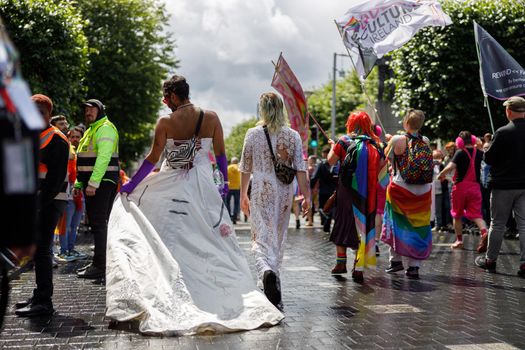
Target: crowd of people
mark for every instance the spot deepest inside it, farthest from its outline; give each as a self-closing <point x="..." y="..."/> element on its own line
<point x="78" y="173"/>
<point x="168" y="251"/>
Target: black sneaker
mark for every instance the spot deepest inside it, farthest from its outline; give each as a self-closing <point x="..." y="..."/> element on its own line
<point x="326" y="226"/>
<point x="521" y="271"/>
<point x="35" y="310"/>
<point x="85" y="267"/>
<point x="271" y="287"/>
<point x="24" y="303"/>
<point x="395" y="266"/>
<point x="412" y="272"/>
<point x="485" y="263"/>
<point x="297" y="224"/>
<point x="92" y="273"/>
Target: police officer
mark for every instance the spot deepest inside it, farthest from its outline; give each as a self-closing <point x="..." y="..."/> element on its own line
<point x="97" y="175"/>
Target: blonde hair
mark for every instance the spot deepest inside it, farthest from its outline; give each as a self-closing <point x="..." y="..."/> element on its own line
<point x="271" y="111"/>
<point x="414" y="119"/>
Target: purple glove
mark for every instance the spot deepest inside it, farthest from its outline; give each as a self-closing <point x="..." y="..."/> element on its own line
<point x="143" y="171"/>
<point x="222" y="163"/>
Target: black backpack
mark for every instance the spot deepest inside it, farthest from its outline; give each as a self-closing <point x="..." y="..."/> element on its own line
<point x="349" y="163"/>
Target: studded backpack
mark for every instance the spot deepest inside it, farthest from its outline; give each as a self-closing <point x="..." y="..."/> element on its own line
<point x="416" y="165"/>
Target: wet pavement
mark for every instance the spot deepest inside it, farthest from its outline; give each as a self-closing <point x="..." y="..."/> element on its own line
<point x="454" y="305"/>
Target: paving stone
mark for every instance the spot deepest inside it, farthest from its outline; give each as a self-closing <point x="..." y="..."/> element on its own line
<point x="454" y="305"/>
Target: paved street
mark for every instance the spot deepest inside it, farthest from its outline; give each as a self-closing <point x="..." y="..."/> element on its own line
<point x="455" y="305"/>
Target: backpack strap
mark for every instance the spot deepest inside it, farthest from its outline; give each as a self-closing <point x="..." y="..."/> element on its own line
<point x="269" y="142"/>
<point x="199" y="123"/>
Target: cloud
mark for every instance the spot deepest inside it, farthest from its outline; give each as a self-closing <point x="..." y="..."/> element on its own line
<point x="226" y="48"/>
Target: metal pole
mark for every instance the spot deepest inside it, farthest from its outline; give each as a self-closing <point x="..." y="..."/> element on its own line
<point x="334" y="72"/>
<point x="363" y="87"/>
<point x="490" y="114"/>
<point x="485" y="98"/>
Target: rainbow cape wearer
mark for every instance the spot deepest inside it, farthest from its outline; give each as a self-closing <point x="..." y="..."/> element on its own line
<point x="406" y="224"/>
<point x="364" y="198"/>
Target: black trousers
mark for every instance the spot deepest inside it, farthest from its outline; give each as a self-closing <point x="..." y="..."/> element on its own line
<point x="485" y="204"/>
<point x="98" y="208"/>
<point x="325" y="220"/>
<point x="48" y="219"/>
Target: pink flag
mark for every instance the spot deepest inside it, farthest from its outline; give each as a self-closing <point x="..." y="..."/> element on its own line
<point x="286" y="83"/>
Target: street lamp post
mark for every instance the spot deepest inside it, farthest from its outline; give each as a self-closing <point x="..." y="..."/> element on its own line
<point x="334" y="75"/>
<point x="334" y="71"/>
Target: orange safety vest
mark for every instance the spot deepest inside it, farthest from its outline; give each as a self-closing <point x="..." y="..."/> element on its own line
<point x="45" y="138"/>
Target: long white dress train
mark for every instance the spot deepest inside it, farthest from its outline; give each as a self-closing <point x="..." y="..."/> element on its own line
<point x="173" y="260"/>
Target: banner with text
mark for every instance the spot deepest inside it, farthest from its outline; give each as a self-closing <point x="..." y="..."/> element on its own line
<point x="372" y="28"/>
<point x="500" y="74"/>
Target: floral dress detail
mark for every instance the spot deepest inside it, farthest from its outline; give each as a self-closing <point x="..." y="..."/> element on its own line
<point x="271" y="200"/>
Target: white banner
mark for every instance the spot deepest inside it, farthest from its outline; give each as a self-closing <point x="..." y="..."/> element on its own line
<point x="372" y="28"/>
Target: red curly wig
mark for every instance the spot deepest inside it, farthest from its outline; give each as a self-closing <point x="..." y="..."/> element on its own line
<point x="360" y="123"/>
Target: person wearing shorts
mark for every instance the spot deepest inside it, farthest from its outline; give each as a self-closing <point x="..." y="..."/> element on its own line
<point x="466" y="192"/>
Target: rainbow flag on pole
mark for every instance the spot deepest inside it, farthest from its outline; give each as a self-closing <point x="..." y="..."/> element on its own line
<point x="285" y="81"/>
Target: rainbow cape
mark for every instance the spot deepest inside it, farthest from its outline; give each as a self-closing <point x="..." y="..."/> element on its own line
<point x="370" y="168"/>
<point x="406" y="224"/>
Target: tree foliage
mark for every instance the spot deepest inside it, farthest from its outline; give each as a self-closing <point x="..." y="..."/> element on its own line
<point x="349" y="97"/>
<point x="235" y="140"/>
<point x="438" y="70"/>
<point x="53" y="47"/>
<point x="132" y="53"/>
<point x="117" y="51"/>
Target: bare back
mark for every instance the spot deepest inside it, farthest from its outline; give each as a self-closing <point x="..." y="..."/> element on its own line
<point x="181" y="125"/>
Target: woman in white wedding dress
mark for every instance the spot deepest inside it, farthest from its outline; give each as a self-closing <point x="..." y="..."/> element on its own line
<point x="173" y="260"/>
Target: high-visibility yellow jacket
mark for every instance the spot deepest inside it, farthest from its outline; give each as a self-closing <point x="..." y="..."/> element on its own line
<point x="97" y="155"/>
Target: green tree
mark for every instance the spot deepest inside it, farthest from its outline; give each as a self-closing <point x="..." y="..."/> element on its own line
<point x="349" y="97"/>
<point x="235" y="140"/>
<point x="132" y="53"/>
<point x="438" y="70"/>
<point x="52" y="46"/>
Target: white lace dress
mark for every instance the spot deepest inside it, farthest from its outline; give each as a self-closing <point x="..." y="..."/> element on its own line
<point x="173" y="260"/>
<point x="271" y="200"/>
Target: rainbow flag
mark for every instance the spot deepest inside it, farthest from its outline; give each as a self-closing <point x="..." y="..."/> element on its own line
<point x="285" y="81"/>
<point x="364" y="198"/>
<point x="406" y="224"/>
<point x="352" y="24"/>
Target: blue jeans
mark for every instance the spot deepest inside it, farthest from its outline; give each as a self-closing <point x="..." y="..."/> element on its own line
<point x="73" y="217"/>
<point x="236" y="194"/>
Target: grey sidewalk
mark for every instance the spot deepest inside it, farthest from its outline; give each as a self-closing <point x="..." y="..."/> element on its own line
<point x="454" y="305"/>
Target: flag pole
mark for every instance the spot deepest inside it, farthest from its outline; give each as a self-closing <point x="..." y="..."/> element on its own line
<point x="318" y="125"/>
<point x="486" y="100"/>
<point x="490" y="114"/>
<point x="362" y="83"/>
<point x="308" y="114"/>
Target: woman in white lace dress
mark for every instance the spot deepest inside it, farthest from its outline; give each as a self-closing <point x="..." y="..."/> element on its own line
<point x="271" y="200"/>
<point x="173" y="260"/>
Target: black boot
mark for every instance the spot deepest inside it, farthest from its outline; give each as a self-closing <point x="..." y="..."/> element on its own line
<point x="271" y="287"/>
